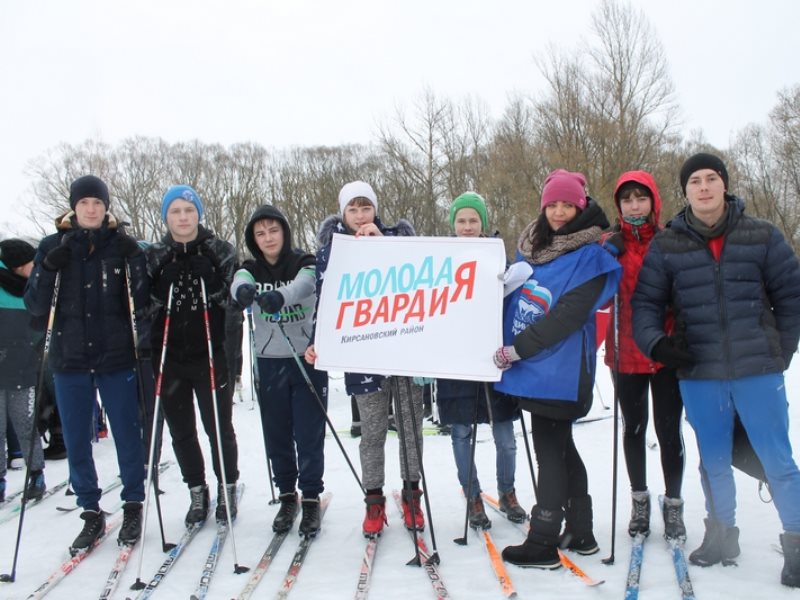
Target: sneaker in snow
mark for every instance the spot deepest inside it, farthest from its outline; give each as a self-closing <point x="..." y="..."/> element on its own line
<point x="16" y="464"/>
<point x="36" y="486"/>
<point x="93" y="529"/>
<point x="131" y="529"/>
<point x="286" y="513"/>
<point x="311" y="521"/>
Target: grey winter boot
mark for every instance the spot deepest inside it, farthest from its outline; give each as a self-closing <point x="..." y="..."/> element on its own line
<point x="790" y="575"/>
<point x="674" y="529"/>
<point x="720" y="544"/>
<point x="578" y="535"/>
<point x="540" y="549"/>
<point x="221" y="514"/>
<point x="640" y="514"/>
<point x="198" y="509"/>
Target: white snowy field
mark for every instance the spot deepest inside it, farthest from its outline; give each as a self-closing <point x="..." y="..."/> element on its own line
<point x="332" y="567"/>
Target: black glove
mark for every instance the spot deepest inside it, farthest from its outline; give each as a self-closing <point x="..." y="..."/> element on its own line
<point x="128" y="246"/>
<point x="614" y="244"/>
<point x="669" y="355"/>
<point x="245" y="294"/>
<point x="169" y="275"/>
<point x="270" y="302"/>
<point x="57" y="258"/>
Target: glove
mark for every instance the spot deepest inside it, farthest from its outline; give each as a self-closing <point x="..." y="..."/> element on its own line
<point x="614" y="244"/>
<point x="57" y="258"/>
<point x="505" y="357"/>
<point x="169" y="275"/>
<point x="669" y="355"/>
<point x="515" y="276"/>
<point x="128" y="246"/>
<point x="245" y="294"/>
<point x="201" y="265"/>
<point x="270" y="302"/>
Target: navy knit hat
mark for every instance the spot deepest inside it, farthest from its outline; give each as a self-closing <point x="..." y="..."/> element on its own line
<point x="699" y="161"/>
<point x="88" y="186"/>
<point x="180" y="192"/>
<point x="15" y="253"/>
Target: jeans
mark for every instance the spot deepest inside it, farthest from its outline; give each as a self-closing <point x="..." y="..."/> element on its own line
<point x="505" y="458"/>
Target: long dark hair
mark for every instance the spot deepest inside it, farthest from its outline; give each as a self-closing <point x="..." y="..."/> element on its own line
<point x="541" y="234"/>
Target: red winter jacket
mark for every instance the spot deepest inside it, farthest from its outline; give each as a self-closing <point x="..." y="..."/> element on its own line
<point x="637" y="241"/>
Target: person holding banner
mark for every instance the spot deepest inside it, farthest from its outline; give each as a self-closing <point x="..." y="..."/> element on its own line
<point x="548" y="360"/>
<point x="464" y="404"/>
<point x="639" y="204"/>
<point x="359" y="205"/>
<point x="279" y="282"/>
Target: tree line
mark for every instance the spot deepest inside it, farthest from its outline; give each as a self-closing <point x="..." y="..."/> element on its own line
<point x="608" y="106"/>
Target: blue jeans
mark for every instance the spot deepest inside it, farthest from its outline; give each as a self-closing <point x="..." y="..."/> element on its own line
<point x="761" y="404"/>
<point x="506" y="456"/>
<point x="75" y="396"/>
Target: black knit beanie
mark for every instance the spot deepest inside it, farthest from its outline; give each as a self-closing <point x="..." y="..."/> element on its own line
<point x="88" y="186"/>
<point x="703" y="160"/>
<point x="15" y="253"/>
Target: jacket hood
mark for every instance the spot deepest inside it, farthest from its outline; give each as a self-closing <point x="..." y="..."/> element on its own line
<point x="646" y="179"/>
<point x="267" y="211"/>
<point x="68" y="220"/>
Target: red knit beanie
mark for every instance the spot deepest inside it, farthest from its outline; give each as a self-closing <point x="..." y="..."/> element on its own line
<point x="564" y="186"/>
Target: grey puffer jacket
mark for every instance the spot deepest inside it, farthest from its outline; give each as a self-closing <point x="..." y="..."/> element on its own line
<point x="737" y="317"/>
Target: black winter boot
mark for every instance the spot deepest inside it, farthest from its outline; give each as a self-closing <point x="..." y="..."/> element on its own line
<point x="578" y="534"/>
<point x="720" y="544"/>
<point x="286" y="513"/>
<point x="540" y="549"/>
<point x="198" y="509"/>
<point x="94" y="527"/>
<point x="790" y="575"/>
<point x="131" y="528"/>
<point x="640" y="514"/>
<point x="221" y="514"/>
<point x="311" y="521"/>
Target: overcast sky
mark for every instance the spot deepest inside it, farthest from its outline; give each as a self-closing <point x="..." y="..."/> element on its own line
<point x="303" y="72"/>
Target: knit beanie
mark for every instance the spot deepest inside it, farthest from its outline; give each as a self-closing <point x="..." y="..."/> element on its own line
<point x="15" y="252"/>
<point x="699" y="161"/>
<point x="180" y="192"/>
<point x="564" y="186"/>
<point x="470" y="200"/>
<point x="356" y="189"/>
<point x="88" y="186"/>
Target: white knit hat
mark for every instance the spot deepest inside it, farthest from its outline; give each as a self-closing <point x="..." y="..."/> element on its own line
<point x="357" y="189"/>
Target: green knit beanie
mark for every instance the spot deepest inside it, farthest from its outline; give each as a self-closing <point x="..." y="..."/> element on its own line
<point x="470" y="200"/>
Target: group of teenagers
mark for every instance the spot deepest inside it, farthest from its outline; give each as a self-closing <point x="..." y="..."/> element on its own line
<point x="706" y="316"/>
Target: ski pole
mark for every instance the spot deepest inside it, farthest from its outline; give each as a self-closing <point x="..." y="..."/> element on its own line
<point x="610" y="559"/>
<point x="237" y="568"/>
<point x="152" y="471"/>
<point x="11" y="577"/>
<point x="529" y="455"/>
<point x="433" y="559"/>
<point x="314" y="393"/>
<point x="462" y="541"/>
<point x="255" y="384"/>
<point x="139" y="584"/>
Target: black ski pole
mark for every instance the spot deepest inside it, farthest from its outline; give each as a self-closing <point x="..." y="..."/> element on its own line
<point x="528" y="454"/>
<point x="256" y="389"/>
<point x="237" y="568"/>
<point x="11" y="577"/>
<point x="139" y="584"/>
<point x="610" y="559"/>
<point x="321" y="405"/>
<point x="434" y="557"/>
<point x="155" y="437"/>
<point x="462" y="541"/>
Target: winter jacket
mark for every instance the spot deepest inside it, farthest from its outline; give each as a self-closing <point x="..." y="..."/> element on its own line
<point x="20" y="342"/>
<point x="187" y="333"/>
<point x="637" y="240"/>
<point x="738" y="316"/>
<point x="355" y="383"/>
<point x="92" y="328"/>
<point x="550" y="320"/>
<point x="293" y="276"/>
<point x="456" y="401"/>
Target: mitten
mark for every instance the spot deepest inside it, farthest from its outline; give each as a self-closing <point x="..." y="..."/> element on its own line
<point x="668" y="354"/>
<point x="245" y="294"/>
<point x="270" y="302"/>
<point x="57" y="258"/>
<point x="505" y="356"/>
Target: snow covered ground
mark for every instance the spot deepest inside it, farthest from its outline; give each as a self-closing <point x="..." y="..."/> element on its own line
<point x="331" y="569"/>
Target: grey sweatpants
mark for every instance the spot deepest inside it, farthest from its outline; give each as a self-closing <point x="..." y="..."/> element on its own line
<point x="374" y="409"/>
<point x="18" y="405"/>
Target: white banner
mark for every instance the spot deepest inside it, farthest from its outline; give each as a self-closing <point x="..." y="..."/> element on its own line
<point x="420" y="306"/>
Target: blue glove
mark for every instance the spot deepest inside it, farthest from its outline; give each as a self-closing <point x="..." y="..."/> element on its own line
<point x="270" y="302"/>
<point x="245" y="294"/>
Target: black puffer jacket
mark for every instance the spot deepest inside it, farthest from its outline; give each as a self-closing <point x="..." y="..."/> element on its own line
<point x="92" y="328"/>
<point x="187" y="335"/>
<point x="736" y="317"/>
